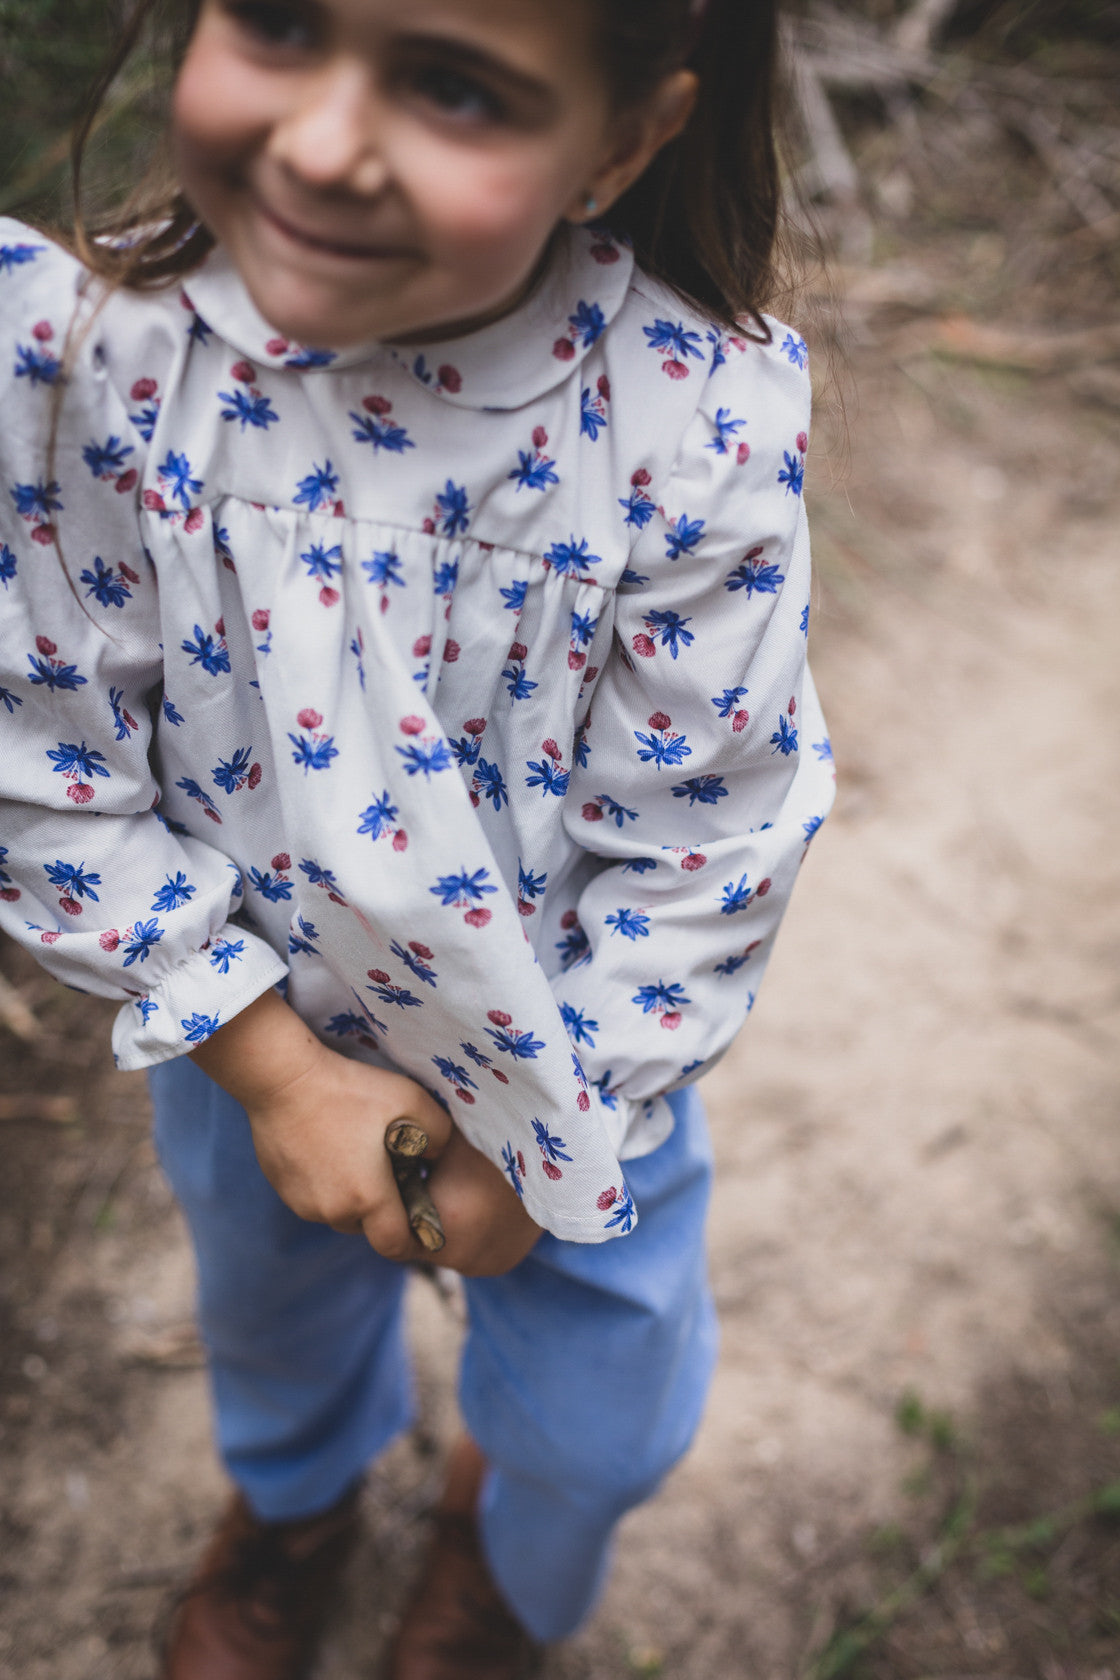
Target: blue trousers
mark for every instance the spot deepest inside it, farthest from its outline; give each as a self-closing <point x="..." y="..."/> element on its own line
<point x="583" y="1376"/>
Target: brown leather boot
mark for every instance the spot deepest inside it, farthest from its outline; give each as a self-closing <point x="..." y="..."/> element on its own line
<point x="456" y="1625"/>
<point x="256" y="1607"/>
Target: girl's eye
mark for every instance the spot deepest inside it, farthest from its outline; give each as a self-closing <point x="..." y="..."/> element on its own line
<point x="458" y="95"/>
<point x="274" y="23"/>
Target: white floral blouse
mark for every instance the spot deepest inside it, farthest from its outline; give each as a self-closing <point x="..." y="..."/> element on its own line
<point x="458" y="691"/>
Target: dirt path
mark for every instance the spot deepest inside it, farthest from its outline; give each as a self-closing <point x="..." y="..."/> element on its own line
<point x="920" y="1187"/>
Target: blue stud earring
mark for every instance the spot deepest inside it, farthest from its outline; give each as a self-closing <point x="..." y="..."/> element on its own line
<point x="590" y="203"/>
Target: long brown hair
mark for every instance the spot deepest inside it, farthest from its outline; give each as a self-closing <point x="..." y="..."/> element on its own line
<point x="704" y="217"/>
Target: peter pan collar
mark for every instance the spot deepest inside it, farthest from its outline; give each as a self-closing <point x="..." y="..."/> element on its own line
<point x="503" y="366"/>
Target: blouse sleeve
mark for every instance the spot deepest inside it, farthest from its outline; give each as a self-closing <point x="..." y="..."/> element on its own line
<point x="92" y="881"/>
<point x="705" y="769"/>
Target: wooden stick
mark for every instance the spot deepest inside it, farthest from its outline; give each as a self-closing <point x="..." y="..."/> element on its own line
<point x="406" y="1143"/>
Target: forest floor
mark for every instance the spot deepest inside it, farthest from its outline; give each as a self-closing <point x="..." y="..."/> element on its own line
<point x="910" y="1466"/>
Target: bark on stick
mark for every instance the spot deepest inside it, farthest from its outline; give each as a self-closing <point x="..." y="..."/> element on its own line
<point x="406" y="1143"/>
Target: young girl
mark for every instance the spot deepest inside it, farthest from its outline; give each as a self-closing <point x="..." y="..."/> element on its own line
<point x="405" y="713"/>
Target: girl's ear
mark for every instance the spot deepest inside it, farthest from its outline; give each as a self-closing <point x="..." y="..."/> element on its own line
<point x="637" y="138"/>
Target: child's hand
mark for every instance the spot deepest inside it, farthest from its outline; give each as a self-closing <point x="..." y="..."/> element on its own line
<point x="319" y="1122"/>
<point x="488" y="1230"/>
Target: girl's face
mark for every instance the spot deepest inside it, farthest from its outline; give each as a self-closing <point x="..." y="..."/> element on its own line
<point x="383" y="169"/>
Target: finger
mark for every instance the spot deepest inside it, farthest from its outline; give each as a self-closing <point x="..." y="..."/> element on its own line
<point x="386" y="1230"/>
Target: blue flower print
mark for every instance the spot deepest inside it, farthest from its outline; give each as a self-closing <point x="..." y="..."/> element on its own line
<point x="575" y="947"/>
<point x="823" y="750"/>
<point x="232" y="774"/>
<point x="529" y="887"/>
<point x="315" y="750"/>
<point x="378" y="818"/>
<point x="9" y="701"/>
<point x="478" y="1057"/>
<point x="701" y="790"/>
<point x="684" y="534"/>
<point x="417" y="959"/>
<point x="548" y="774"/>
<point x="384" y="988"/>
<point x="225" y="951"/>
<point x="323" y="563"/>
<point x="248" y="408"/>
<point x="805" y="619"/>
<point x="318" y="488"/>
<point x="426" y="758"/>
<point x="725" y="431"/>
<point x="199" y="1028"/>
<point x="514" y="1165"/>
<point x="534" y="470"/>
<point x="176" y="891"/>
<point x="303" y="942"/>
<point x="593" y="410"/>
<point x="36" y="502"/>
<point x="303" y="357"/>
<point x="105" y="460"/>
<point x="622" y="1209"/>
<point x="77" y="761"/>
<point x="631" y="924"/>
<point x="518" y="684"/>
<point x="571" y="559"/>
<point x="379" y="431"/>
<point x="192" y="790"/>
<point x="368" y="1017"/>
<point x="50" y="672"/>
<point x="208" y="651"/>
<point x="588" y="322"/>
<point x="145" y="418"/>
<point x="171" y="713"/>
<point x="514" y="596"/>
<point x="792" y="475"/>
<point x="140" y="940"/>
<point x="606" y="806"/>
<point x="489" y="783"/>
<point x="521" y="1045"/>
<point x="639" y="506"/>
<point x="672" y="339"/>
<point x="784" y="738"/>
<point x="662" y="999"/>
<point x="552" y="1148"/>
<point x="348" y="1024"/>
<point x="795" y="347"/>
<point x="671" y="626"/>
<point x="732" y="965"/>
<point x="444" y="578"/>
<point x="453" y="509"/>
<point x="754" y="575"/>
<point x="383" y="569"/>
<point x="736" y="897"/>
<point x="275" y="888"/>
<point x="175" y="477"/>
<point x="109" y="588"/>
<point x="72" y="879"/>
<point x="463" y="890"/>
<point x="198" y="332"/>
<point x="727" y="703"/>
<point x="147" y="1007"/>
<point x="454" y="1073"/>
<point x="8" y="565"/>
<point x="580" y="1029"/>
<point x="36" y="364"/>
<point x="583" y="629"/>
<point x="15" y="256"/>
<point x="663" y="745"/>
<point x="319" y="877"/>
<point x="811" y="827"/>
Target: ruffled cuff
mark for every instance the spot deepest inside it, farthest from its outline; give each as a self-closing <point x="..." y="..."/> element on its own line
<point x="195" y="999"/>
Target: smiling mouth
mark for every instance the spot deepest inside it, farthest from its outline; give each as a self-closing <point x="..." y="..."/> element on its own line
<point x="329" y="246"/>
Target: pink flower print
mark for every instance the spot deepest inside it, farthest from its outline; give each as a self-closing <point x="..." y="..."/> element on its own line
<point x="692" y="861"/>
<point x="278" y="347"/>
<point x="644" y="645"/>
<point x="564" y="350"/>
<point x="413" y="725"/>
<point x="109" y="939"/>
<point x="43" y="332"/>
<point x="763" y="887"/>
<point x="606" y="1199"/>
<point x="604" y="250"/>
<point x="315" y="749"/>
<point x="639" y="507"/>
<point x="449" y="379"/>
<point x="261" y="618"/>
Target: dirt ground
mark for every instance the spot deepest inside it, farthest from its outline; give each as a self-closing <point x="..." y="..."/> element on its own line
<point x="911" y="1462"/>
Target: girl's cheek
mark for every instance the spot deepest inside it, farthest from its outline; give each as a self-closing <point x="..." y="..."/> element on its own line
<point x="216" y="104"/>
<point x="488" y="203"/>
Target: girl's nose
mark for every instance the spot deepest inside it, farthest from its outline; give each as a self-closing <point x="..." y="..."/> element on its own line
<point x="331" y="136"/>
